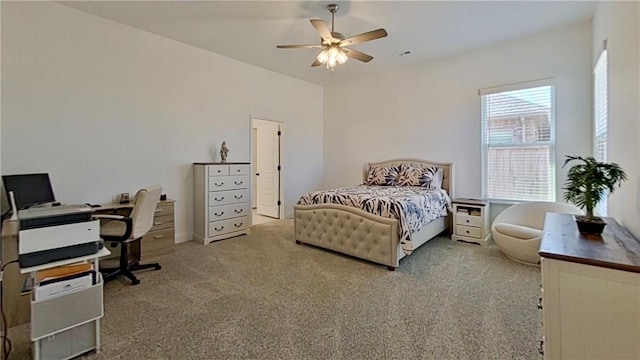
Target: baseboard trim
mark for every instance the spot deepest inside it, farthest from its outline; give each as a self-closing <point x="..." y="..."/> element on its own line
<point x="180" y="238"/>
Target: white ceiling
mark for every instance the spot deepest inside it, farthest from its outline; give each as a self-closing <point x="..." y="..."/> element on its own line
<point x="249" y="31"/>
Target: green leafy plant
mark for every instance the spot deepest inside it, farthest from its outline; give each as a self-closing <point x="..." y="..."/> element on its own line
<point x="588" y="182"/>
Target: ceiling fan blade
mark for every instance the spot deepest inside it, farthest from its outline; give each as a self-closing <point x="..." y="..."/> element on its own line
<point x="368" y="36"/>
<point x="299" y="46"/>
<point x="323" y="30"/>
<point x="358" y="55"/>
<point x="316" y="63"/>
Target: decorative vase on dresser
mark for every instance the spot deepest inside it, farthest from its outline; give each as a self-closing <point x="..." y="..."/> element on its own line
<point x="221" y="199"/>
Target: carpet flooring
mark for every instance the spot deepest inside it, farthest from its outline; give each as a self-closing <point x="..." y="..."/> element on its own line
<point x="262" y="296"/>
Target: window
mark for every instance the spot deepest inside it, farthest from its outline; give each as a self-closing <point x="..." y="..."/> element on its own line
<point x="518" y="142"/>
<point x="600" y="113"/>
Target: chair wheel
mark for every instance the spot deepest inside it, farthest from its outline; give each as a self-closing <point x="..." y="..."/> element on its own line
<point x="158" y="267"/>
<point x="135" y="282"/>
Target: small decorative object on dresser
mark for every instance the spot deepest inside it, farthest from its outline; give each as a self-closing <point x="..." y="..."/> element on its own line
<point x="124" y="198"/>
<point x="221" y="201"/>
<point x="471" y="221"/>
<point x="223" y="152"/>
<point x="589" y="183"/>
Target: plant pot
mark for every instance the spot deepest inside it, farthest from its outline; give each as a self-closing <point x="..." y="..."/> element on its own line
<point x="593" y="226"/>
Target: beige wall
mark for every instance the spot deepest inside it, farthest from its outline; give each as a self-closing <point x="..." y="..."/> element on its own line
<point x="106" y="108"/>
<point x="433" y="111"/>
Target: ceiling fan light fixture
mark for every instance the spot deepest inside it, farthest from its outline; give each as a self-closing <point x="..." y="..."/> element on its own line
<point x="334" y="45"/>
<point x="332" y="56"/>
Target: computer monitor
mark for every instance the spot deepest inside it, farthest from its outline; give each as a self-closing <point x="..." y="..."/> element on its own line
<point x="29" y="189"/>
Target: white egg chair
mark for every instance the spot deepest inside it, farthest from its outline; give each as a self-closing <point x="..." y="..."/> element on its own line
<point x="517" y="230"/>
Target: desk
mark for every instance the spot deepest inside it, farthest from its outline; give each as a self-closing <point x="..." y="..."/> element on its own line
<point x="160" y="240"/>
<point x="16" y="306"/>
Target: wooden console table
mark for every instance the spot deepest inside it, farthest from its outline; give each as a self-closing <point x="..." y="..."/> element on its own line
<point x="590" y="291"/>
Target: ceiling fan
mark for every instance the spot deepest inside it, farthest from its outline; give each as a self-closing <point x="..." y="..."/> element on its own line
<point x="334" y="45"/>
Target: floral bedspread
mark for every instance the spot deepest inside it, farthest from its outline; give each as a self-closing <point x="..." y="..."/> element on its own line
<point x="413" y="206"/>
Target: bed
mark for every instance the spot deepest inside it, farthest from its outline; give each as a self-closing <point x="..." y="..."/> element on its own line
<point x="353" y="231"/>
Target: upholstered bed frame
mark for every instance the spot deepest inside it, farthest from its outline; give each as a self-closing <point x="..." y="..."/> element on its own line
<point x="357" y="233"/>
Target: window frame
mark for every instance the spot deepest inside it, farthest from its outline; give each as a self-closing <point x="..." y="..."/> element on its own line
<point x="551" y="144"/>
<point x="601" y="128"/>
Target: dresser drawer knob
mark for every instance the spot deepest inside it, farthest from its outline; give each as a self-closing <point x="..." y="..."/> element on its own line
<point x="218" y="229"/>
<point x="238" y="170"/>
<point x="237" y="197"/>
<point x="216" y="199"/>
<point x="467" y="220"/>
<point x="158" y="237"/>
<point x="237" y="225"/>
<point x="216" y="214"/>
<point x="216" y="184"/>
<point x="219" y="171"/>
<point x="467" y="231"/>
<point x="238" y="183"/>
<point x="238" y="211"/>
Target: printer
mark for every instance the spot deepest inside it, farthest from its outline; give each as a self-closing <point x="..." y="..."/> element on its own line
<point x="56" y="233"/>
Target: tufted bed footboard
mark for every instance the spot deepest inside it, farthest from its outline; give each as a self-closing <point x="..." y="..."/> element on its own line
<point x="349" y="231"/>
<point x="357" y="233"/>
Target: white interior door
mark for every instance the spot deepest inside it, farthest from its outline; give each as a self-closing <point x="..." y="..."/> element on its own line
<point x="268" y="176"/>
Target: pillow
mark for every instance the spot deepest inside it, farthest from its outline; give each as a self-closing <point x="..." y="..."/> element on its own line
<point x="430" y="177"/>
<point x="383" y="175"/>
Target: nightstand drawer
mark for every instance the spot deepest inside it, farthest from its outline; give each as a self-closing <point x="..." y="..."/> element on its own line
<point x="469" y="220"/>
<point x="468" y="231"/>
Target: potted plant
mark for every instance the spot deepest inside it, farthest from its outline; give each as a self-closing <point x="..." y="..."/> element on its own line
<point x="587" y="184"/>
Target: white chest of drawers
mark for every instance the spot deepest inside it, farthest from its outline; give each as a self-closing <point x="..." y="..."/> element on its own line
<point x="221" y="199"/>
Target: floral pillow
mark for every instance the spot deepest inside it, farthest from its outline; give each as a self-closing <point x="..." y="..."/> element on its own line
<point x="383" y="175"/>
<point x="430" y="177"/>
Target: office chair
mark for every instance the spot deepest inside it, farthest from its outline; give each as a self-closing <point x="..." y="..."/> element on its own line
<point x="125" y="230"/>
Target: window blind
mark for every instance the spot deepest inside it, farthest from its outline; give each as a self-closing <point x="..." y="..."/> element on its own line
<point x="518" y="142"/>
<point x="600" y="112"/>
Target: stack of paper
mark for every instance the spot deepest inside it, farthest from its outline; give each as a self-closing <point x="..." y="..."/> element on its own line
<point x="63" y="280"/>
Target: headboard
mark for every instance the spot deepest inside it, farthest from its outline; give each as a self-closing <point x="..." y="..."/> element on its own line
<point x="447" y="170"/>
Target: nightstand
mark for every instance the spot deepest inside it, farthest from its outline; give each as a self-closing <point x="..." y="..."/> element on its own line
<point x="471" y="221"/>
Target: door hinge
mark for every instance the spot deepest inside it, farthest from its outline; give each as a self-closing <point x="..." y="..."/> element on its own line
<point x="279" y="203"/>
<point x="279" y="167"/>
<point x="279" y="132"/>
